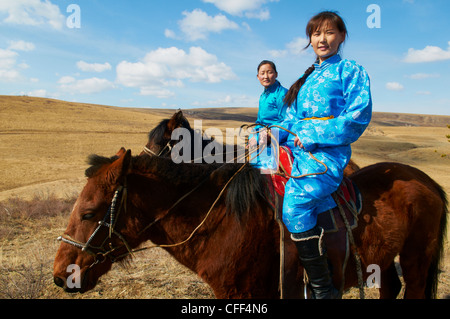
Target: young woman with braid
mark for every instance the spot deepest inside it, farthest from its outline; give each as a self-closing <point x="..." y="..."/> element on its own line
<point x="329" y="108"/>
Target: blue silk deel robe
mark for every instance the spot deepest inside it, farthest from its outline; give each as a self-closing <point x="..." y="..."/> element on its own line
<point x="272" y="110"/>
<point x="340" y="88"/>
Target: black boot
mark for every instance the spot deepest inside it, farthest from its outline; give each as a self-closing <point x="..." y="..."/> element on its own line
<point x="313" y="257"/>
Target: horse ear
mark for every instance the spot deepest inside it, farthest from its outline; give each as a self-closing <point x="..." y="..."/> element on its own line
<point x="175" y="121"/>
<point x="120" y="167"/>
<point x="121" y="152"/>
<point x="179" y="115"/>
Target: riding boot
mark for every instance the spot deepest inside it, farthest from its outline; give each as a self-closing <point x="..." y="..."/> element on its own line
<point x="313" y="257"/>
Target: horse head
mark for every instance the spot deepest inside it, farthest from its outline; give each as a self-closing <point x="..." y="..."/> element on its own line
<point x="160" y="138"/>
<point x="97" y="234"/>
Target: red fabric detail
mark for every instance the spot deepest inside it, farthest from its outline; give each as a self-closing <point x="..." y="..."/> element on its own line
<point x="286" y="158"/>
<point x="279" y="181"/>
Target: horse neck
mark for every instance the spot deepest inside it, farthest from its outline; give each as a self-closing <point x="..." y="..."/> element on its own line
<point x="218" y="237"/>
<point x="166" y="193"/>
<point x="180" y="213"/>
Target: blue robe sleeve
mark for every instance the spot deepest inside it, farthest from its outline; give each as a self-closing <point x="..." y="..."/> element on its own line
<point x="287" y="124"/>
<point x="349" y="125"/>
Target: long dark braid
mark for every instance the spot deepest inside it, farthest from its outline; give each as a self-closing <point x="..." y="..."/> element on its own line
<point x="291" y="95"/>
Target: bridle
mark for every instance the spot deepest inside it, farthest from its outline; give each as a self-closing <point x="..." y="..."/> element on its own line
<point x="106" y="248"/>
<point x="165" y="150"/>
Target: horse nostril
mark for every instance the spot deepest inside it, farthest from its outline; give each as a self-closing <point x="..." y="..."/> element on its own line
<point x="59" y="282"/>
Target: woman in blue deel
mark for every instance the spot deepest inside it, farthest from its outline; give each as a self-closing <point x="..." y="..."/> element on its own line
<point x="272" y="110"/>
<point x="337" y="91"/>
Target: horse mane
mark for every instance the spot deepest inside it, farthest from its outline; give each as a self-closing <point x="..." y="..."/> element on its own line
<point x="247" y="190"/>
<point x="157" y="133"/>
<point x="177" y="174"/>
<point x="96" y="162"/>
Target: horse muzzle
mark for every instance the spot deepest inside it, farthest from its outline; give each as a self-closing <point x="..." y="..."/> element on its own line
<point x="82" y="285"/>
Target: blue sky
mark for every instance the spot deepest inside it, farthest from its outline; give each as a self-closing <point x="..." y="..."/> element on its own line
<point x="204" y="53"/>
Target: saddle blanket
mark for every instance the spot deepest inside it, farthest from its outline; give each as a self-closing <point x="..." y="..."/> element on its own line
<point x="348" y="195"/>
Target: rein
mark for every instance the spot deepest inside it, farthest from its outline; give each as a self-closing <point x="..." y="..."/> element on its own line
<point x="269" y="127"/>
<point x="106" y="248"/>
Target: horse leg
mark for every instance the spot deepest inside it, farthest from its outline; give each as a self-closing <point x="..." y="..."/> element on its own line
<point x="390" y="284"/>
<point x="415" y="262"/>
<point x="420" y="254"/>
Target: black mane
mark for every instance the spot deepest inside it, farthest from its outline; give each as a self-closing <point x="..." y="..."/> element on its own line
<point x="247" y="190"/>
<point x="157" y="133"/>
<point x="96" y="162"/>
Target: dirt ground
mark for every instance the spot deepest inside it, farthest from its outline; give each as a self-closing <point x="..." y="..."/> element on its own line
<point x="44" y="145"/>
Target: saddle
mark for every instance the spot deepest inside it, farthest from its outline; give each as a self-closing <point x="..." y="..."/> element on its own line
<point x="348" y="195"/>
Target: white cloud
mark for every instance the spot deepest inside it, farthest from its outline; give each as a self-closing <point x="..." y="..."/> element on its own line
<point x="9" y="75"/>
<point x="229" y="100"/>
<point x="263" y="14"/>
<point x="170" y="34"/>
<point x="7" y="59"/>
<point x="295" y="47"/>
<point x="421" y="76"/>
<point x="66" y="80"/>
<point x="277" y="53"/>
<point x="23" y="66"/>
<point x="93" y="67"/>
<point x="423" y="93"/>
<point x="84" y="86"/>
<point x="38" y="93"/>
<point x="249" y="8"/>
<point x="8" y="66"/>
<point x="21" y="46"/>
<point x="246" y="26"/>
<point x="168" y="67"/>
<point x="428" y="54"/>
<point x="32" y="12"/>
<point x="198" y="24"/>
<point x="394" y="86"/>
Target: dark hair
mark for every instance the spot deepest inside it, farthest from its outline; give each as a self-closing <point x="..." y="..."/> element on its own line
<point x="314" y="24"/>
<point x="318" y="20"/>
<point x="267" y="62"/>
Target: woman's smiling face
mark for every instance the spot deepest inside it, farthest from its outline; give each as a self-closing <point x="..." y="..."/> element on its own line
<point x="267" y="75"/>
<point x="326" y="41"/>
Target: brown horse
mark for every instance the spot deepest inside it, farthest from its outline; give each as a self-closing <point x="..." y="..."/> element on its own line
<point x="160" y="142"/>
<point x="232" y="241"/>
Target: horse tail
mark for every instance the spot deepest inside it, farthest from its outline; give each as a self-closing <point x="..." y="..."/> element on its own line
<point x="434" y="269"/>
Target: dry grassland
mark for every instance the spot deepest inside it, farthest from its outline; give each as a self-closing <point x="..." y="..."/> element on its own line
<point x="44" y="144"/>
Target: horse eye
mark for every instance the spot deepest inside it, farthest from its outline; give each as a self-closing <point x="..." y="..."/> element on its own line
<point x="87" y="216"/>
